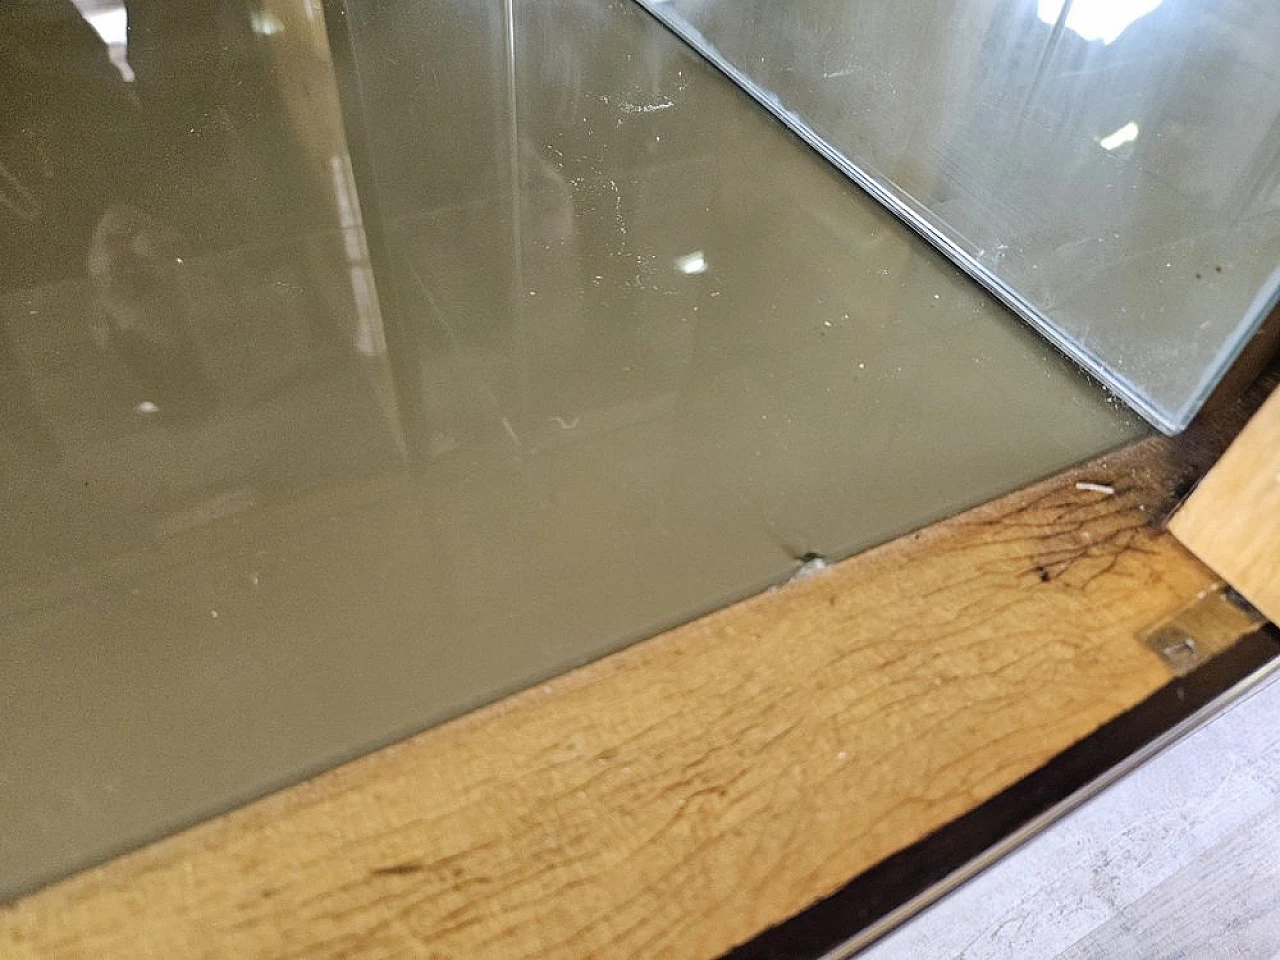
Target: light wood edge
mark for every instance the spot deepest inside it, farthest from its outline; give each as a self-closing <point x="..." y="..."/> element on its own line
<point x="678" y="797"/>
<point x="1232" y="519"/>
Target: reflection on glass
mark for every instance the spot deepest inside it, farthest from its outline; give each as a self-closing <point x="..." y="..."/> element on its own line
<point x="189" y="340"/>
<point x="110" y="20"/>
<point x="631" y="352"/>
<point x="1109" y="168"/>
<point x="1101" y="20"/>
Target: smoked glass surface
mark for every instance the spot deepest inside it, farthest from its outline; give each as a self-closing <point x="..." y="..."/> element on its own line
<point x="359" y="366"/>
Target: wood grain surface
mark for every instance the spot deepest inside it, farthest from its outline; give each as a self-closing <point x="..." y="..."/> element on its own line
<point x="1232" y="520"/>
<point x="678" y="797"/>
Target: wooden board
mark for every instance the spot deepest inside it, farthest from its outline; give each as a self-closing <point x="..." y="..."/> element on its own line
<point x="678" y="797"/>
<point x="1232" y="520"/>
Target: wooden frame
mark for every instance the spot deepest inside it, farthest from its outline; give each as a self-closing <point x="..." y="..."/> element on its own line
<point x="679" y="797"/>
<point x="1232" y="521"/>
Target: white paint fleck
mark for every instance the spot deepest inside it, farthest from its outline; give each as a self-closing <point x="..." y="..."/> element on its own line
<point x="1095" y="487"/>
<point x="660" y="105"/>
<point x="810" y="568"/>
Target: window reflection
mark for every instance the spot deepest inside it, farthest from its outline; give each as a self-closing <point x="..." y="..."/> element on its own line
<point x="1101" y="20"/>
<point x="189" y="325"/>
<point x="110" y="20"/>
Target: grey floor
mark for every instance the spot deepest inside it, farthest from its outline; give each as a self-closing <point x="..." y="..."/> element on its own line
<point x="1180" y="859"/>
